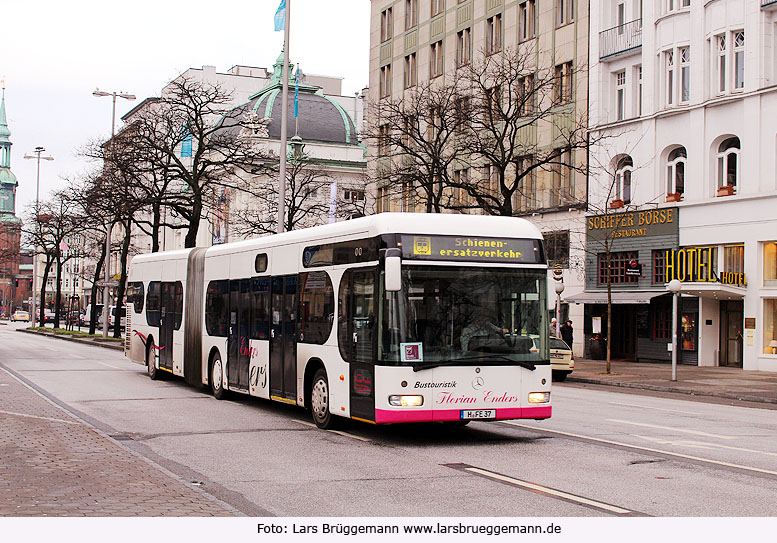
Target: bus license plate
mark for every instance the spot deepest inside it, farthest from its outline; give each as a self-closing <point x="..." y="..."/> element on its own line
<point x="469" y="414"/>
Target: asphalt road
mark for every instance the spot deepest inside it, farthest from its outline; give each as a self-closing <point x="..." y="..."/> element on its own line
<point x="602" y="454"/>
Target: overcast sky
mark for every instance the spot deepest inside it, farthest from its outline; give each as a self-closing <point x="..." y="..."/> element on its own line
<point x="54" y="53"/>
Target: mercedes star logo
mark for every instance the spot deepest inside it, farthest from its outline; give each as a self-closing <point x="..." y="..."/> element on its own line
<point x="477" y="383"/>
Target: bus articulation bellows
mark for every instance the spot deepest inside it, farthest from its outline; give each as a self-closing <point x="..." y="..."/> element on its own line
<point x="384" y="319"/>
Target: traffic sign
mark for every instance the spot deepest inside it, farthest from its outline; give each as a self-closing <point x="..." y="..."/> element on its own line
<point x="111" y="283"/>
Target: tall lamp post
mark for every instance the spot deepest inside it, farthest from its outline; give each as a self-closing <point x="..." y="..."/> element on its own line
<point x="37" y="156"/>
<point x="674" y="287"/>
<point x="106" y="306"/>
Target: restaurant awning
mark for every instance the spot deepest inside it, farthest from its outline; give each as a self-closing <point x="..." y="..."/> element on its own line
<point x="618" y="296"/>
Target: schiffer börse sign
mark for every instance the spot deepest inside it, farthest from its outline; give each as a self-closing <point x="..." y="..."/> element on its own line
<point x="633" y="224"/>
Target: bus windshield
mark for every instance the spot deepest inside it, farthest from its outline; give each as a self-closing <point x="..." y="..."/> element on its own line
<point x="453" y="315"/>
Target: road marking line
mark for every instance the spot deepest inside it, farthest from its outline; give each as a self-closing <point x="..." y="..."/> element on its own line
<point x="648" y="449"/>
<point x="704" y="445"/>
<point x="104" y="364"/>
<point x="37" y="417"/>
<point x="547" y="490"/>
<point x="694" y="432"/>
<point x="338" y="432"/>
<point x="76" y="356"/>
<point x="656" y="408"/>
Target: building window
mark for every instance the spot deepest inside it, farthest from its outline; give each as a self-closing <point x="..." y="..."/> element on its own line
<point x="565" y="12"/>
<point x="638" y="90"/>
<point x="669" y="62"/>
<point x="728" y="162"/>
<point x="557" y="248"/>
<point x="770" y="326"/>
<point x="386" y="25"/>
<point x="463" y="114"/>
<point x="494" y="103"/>
<point x="383" y="200"/>
<point x="435" y="60"/>
<point x="186" y="146"/>
<point x="353" y="195"/>
<point x="411" y="14"/>
<point x="659" y="266"/>
<point x="411" y="73"/>
<point x="770" y="264"/>
<point x="463" y="47"/>
<point x="383" y="140"/>
<point x="721" y="63"/>
<point x="739" y="59"/>
<point x="433" y="128"/>
<point x="620" y="94"/>
<point x="562" y="179"/>
<point x="685" y="73"/>
<point x="407" y="198"/>
<point x="526" y="18"/>
<point x="385" y="81"/>
<point x="623" y="179"/>
<point x="675" y="171"/>
<point x="461" y="198"/>
<point x="618" y="263"/>
<point x="494" y="34"/>
<point x="563" y="83"/>
<point x="734" y="259"/>
<point x="524" y="197"/>
<point x="672" y="5"/>
<point x="438" y="6"/>
<point x="526" y="95"/>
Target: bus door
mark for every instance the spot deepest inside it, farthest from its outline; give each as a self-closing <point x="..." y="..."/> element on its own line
<point x="167" y="324"/>
<point x="283" y="325"/>
<point x="238" y="342"/>
<point x="362" y="326"/>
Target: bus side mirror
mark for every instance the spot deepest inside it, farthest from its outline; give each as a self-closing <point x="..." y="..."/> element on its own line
<point x="393" y="270"/>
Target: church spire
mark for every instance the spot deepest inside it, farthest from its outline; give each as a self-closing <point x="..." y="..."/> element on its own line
<point x="4" y="132"/>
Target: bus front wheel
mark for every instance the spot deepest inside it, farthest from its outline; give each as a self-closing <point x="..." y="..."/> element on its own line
<point x="153" y="371"/>
<point x="319" y="400"/>
<point x="217" y="377"/>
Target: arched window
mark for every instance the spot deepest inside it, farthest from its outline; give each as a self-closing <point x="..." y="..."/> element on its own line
<point x="675" y="171"/>
<point x="623" y="179"/>
<point x="728" y="162"/>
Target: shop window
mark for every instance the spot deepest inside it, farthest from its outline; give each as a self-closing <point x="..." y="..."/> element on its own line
<point x="317" y="307"/>
<point x="734" y="258"/>
<point x="662" y="321"/>
<point x="688" y="331"/>
<point x="770" y="264"/>
<point x="618" y="264"/>
<point x="770" y="326"/>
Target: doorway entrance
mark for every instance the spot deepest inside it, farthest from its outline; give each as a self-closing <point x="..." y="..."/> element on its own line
<point x="731" y="324"/>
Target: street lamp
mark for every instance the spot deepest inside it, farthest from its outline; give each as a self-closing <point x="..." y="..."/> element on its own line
<point x="98" y="93"/>
<point x="559" y="289"/>
<point x="674" y="286"/>
<point x="38" y="150"/>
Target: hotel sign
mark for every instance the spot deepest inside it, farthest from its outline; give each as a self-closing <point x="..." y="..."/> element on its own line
<point x="633" y="224"/>
<point x="695" y="264"/>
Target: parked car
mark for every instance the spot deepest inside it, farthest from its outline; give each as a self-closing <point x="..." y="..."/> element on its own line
<point x="48" y="316"/>
<point x="88" y="315"/>
<point x="20" y="316"/>
<point x="562" y="360"/>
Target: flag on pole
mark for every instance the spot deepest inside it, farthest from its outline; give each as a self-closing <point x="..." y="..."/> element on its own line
<point x="280" y="16"/>
<point x="296" y="94"/>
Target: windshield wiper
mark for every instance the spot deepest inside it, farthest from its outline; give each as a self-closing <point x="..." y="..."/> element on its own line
<point x="522" y="363"/>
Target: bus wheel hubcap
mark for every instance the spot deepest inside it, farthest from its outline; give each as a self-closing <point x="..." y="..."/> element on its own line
<point x="320" y="399"/>
<point x="217" y="374"/>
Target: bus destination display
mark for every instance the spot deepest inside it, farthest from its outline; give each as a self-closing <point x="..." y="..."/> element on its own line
<point x="472" y="249"/>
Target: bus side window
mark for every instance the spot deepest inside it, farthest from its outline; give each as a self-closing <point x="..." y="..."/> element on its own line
<point x="343" y="316"/>
<point x="260" y="296"/>
<point x="177" y="305"/>
<point x="316" y="307"/>
<point x="216" y="306"/>
<point x="135" y="295"/>
<point x="153" y="315"/>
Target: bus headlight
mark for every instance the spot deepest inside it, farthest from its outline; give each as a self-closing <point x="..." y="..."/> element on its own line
<point x="406" y="401"/>
<point x="539" y="397"/>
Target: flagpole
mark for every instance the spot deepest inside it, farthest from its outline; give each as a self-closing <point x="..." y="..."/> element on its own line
<point x="284" y="122"/>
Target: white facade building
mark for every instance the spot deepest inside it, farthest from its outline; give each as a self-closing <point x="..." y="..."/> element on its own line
<point x="685" y="93"/>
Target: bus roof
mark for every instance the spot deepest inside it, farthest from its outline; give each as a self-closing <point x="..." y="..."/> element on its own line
<point x="394" y="223"/>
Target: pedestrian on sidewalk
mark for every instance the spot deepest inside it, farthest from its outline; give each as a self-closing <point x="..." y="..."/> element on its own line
<point x="567" y="332"/>
<point x="553" y="327"/>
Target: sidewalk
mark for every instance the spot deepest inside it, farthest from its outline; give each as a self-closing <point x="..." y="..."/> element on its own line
<point x="718" y="382"/>
<point x="106" y="343"/>
<point x="52" y="464"/>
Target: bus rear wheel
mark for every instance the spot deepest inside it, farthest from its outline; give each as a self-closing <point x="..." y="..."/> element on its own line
<point x="319" y="400"/>
<point x="153" y="372"/>
<point x="217" y="377"/>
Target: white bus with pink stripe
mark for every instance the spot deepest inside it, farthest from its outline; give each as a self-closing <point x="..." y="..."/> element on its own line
<point x="384" y="319"/>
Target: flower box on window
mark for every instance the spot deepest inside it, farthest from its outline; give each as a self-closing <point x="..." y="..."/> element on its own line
<point x="726" y="190"/>
<point x="674" y="197"/>
<point x="616" y="203"/>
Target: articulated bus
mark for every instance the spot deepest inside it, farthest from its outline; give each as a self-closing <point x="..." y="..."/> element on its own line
<point x="384" y="319"/>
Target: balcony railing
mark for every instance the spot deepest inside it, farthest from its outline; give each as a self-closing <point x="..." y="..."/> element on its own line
<point x="622" y="38"/>
<point x="768" y="4"/>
